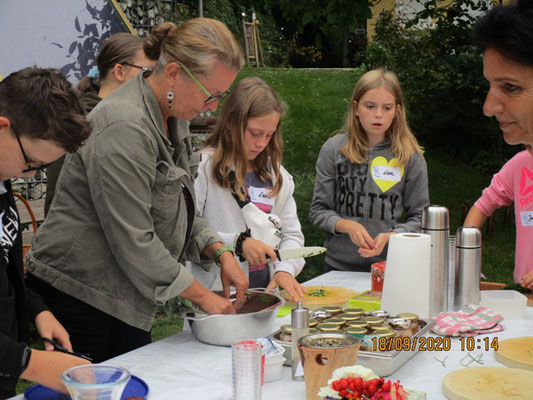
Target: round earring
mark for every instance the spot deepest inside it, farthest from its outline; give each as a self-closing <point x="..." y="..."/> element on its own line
<point x="170" y="97"/>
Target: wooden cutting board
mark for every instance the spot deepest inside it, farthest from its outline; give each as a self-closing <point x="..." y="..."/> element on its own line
<point x="488" y="383"/>
<point x="516" y="353"/>
<point x="335" y="295"/>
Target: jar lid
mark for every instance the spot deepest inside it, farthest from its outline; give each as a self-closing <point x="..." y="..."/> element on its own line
<point x="349" y="317"/>
<point x="435" y="218"/>
<point x="286" y="328"/>
<point x="379" y="266"/>
<point x="407" y="315"/>
<point x="335" y="321"/>
<point x="313" y="323"/>
<point x="380" y="328"/>
<point x="384" y="333"/>
<point x="379" y="313"/>
<point x="399" y="323"/>
<point x="355" y="331"/>
<point x="320" y="314"/>
<point x="332" y="309"/>
<point x="356" y="311"/>
<point x="328" y="327"/>
<point x="357" y="324"/>
<point x="374" y="320"/>
<point x="314" y="330"/>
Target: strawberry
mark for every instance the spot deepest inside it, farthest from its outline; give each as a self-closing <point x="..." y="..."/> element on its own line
<point x="386" y="386"/>
<point x="343" y="383"/>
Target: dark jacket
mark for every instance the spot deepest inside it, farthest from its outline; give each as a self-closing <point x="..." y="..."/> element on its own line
<point x="17" y="309"/>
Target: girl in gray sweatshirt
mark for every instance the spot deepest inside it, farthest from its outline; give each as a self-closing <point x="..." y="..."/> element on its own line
<point x="371" y="179"/>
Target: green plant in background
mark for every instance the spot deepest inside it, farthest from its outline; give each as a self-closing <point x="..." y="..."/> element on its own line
<point x="442" y="76"/>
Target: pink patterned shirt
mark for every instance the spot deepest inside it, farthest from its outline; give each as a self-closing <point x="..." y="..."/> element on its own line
<point x="514" y="182"/>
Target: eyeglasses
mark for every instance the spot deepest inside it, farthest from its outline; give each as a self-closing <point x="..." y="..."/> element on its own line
<point x="30" y="168"/>
<point x="210" y="97"/>
<point x="136" y="66"/>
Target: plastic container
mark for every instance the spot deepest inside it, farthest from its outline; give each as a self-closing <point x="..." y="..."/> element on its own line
<point x="509" y="303"/>
<point x="273" y="368"/>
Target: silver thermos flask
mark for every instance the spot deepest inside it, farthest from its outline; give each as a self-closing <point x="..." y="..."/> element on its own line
<point x="436" y="223"/>
<point x="467" y="267"/>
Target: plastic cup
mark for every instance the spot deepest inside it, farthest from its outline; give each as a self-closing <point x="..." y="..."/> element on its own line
<point x="246" y="368"/>
<point x="96" y="382"/>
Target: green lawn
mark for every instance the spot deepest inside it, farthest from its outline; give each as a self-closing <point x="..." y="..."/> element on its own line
<point x="316" y="104"/>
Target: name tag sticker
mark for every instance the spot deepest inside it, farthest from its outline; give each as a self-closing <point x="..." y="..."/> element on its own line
<point x="527" y="218"/>
<point x="387" y="173"/>
<point x="260" y="195"/>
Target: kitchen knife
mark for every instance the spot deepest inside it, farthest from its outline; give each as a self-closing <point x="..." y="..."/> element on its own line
<point x="300" y="252"/>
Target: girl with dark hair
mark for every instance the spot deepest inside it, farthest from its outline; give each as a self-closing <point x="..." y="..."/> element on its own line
<point x="120" y="59"/>
<point x="505" y="35"/>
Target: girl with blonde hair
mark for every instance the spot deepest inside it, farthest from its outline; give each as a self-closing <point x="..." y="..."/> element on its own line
<point x="241" y="173"/>
<point x="369" y="176"/>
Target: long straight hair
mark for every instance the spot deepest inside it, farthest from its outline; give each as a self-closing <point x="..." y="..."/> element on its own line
<point x="251" y="98"/>
<point x="402" y="141"/>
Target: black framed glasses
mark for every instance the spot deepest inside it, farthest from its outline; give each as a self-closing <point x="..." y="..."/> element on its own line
<point x="28" y="164"/>
<point x="136" y="66"/>
<point x="210" y="97"/>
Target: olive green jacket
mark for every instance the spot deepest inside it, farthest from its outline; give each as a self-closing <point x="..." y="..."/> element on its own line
<point x="120" y="225"/>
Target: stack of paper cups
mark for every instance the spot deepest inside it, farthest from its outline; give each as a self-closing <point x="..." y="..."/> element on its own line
<point x="407" y="277"/>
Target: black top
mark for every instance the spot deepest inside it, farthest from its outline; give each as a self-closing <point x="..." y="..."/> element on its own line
<point x="18" y="304"/>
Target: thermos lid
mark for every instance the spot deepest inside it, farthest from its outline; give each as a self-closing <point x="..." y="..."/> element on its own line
<point x="300" y="317"/>
<point x="435" y="218"/>
<point x="468" y="237"/>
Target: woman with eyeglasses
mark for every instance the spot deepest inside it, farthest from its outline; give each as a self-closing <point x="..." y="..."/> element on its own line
<point x="123" y="222"/>
<point x="120" y="59"/>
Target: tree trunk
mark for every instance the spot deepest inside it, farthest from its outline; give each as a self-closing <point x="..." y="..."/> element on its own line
<point x="345" y="47"/>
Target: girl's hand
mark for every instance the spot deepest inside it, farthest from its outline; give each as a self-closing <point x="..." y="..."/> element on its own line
<point x="289" y="283"/>
<point x="381" y="241"/>
<point x="527" y="281"/>
<point x="256" y="252"/>
<point x="357" y="232"/>
<point x="48" y="326"/>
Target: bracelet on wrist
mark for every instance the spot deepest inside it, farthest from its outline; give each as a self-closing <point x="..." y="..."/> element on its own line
<point x="219" y="252"/>
<point x="239" y="242"/>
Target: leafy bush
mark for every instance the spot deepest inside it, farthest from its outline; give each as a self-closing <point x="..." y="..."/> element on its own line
<point x="441" y="75"/>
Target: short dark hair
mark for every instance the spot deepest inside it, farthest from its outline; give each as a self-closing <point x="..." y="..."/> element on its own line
<point x="509" y="30"/>
<point x="42" y="104"/>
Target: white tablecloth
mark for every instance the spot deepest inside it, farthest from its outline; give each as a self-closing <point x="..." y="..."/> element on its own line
<point x="179" y="367"/>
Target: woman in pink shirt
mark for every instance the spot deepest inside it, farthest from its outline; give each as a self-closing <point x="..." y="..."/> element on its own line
<point x="505" y="35"/>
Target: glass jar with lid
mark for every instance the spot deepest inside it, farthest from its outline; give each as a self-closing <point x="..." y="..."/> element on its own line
<point x="413" y="318"/>
<point x="401" y="327"/>
<point x="286" y="333"/>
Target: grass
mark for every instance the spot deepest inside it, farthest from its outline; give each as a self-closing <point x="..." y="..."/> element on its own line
<point x="316" y="104"/>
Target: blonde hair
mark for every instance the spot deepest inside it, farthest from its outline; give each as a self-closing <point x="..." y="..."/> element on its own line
<point x="251" y="98"/>
<point x="197" y="44"/>
<point x="402" y="141"/>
